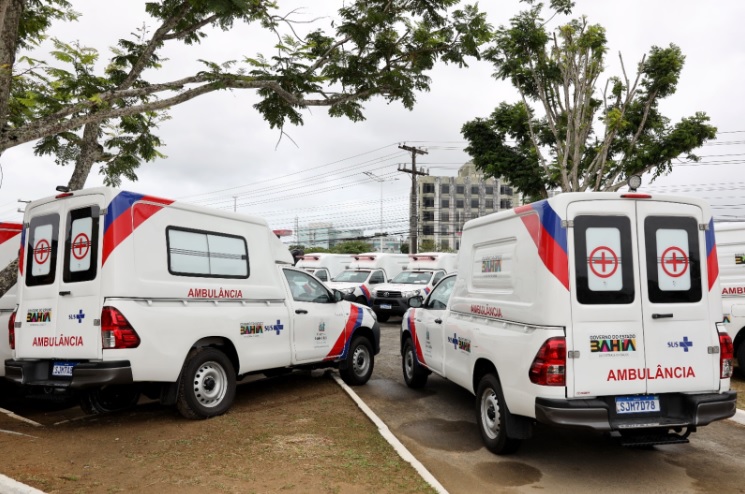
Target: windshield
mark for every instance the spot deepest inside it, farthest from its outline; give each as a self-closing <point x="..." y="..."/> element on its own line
<point x="413" y="277"/>
<point x="352" y="276"/>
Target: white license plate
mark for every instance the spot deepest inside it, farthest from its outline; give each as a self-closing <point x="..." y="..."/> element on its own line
<point x="637" y="404"/>
<point x="62" y="369"/>
<point x="385" y="306"/>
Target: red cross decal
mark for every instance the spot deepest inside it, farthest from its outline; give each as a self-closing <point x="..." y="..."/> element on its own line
<point x="606" y="259"/>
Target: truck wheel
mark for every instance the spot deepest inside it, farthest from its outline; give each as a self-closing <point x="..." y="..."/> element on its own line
<point x="358" y="367"/>
<point x="741" y="358"/>
<point x="111" y="398"/>
<point x="383" y="317"/>
<point x="414" y="375"/>
<point x="491" y="415"/>
<point x="207" y="384"/>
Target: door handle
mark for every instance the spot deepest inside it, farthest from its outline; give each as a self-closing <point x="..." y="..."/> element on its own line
<point x="64" y="293"/>
<point x="438" y="320"/>
<point x="660" y="316"/>
<point x="301" y="311"/>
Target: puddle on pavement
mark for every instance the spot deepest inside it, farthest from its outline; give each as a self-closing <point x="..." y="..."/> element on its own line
<point x="446" y="435"/>
<point x="507" y="473"/>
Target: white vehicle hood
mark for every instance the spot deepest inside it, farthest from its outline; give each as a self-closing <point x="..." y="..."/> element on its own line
<point x="341" y="285"/>
<point x="398" y="287"/>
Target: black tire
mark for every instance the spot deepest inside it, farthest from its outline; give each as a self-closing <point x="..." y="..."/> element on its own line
<point x="111" y="398"/>
<point x="414" y="374"/>
<point x="358" y="366"/>
<point x="491" y="415"/>
<point x="383" y="317"/>
<point x="741" y="357"/>
<point x="207" y="384"/>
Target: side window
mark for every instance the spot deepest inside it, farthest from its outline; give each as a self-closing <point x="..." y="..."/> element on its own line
<point x="438" y="277"/>
<point x="322" y="275"/>
<point x="439" y="297"/>
<point x="41" y="258"/>
<point x="81" y="245"/>
<point x="603" y="260"/>
<point x="206" y="254"/>
<point x="377" y="277"/>
<point x="305" y="288"/>
<point x="673" y="259"/>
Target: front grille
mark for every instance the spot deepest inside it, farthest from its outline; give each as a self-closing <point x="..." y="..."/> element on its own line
<point x="388" y="294"/>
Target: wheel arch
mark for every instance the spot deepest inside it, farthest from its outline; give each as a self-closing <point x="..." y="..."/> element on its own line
<point x="739" y="338"/>
<point x="481" y="368"/>
<point x="223" y="344"/>
<point x="405" y="335"/>
<point x="366" y="332"/>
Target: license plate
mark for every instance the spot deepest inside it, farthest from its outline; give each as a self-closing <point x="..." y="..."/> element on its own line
<point x="385" y="306"/>
<point x="637" y="404"/>
<point x="62" y="369"/>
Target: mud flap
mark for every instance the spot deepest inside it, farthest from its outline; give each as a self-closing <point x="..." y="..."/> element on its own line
<point x="518" y="427"/>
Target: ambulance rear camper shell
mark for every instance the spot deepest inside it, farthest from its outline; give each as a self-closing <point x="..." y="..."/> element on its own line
<point x="365" y="271"/>
<point x="10" y="234"/>
<point x="323" y="265"/>
<point x="122" y="293"/>
<point x="422" y="273"/>
<point x="589" y="310"/>
<point x="731" y="253"/>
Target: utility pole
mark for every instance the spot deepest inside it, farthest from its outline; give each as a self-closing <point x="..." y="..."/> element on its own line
<point x="412" y="200"/>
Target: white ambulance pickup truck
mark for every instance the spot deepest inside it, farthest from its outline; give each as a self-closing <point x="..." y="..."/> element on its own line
<point x="323" y="265"/>
<point x="422" y="273"/>
<point x="365" y="271"/>
<point x="590" y="310"/>
<point x="731" y="252"/>
<point x="122" y="293"/>
<point x="10" y="233"/>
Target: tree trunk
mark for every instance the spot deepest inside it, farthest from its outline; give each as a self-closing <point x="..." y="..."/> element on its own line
<point x="8" y="278"/>
<point x="90" y="152"/>
<point x="10" y="17"/>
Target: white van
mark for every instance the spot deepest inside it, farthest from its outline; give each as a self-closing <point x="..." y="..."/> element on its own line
<point x="731" y="255"/>
<point x="590" y="310"/>
<point x="122" y="293"/>
<point x="324" y="266"/>
<point x="366" y="270"/>
<point x="10" y="234"/>
<point x="422" y="273"/>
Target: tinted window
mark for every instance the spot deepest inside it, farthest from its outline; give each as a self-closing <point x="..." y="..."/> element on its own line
<point x="459" y="203"/>
<point x="377" y="277"/>
<point x="41" y="258"/>
<point x="459" y="189"/>
<point x="489" y="190"/>
<point x="81" y="245"/>
<point x="206" y="254"/>
<point x="428" y="188"/>
<point x="445" y="189"/>
<point x="603" y="260"/>
<point x="475" y="203"/>
<point x="475" y="189"/>
<point x="428" y="202"/>
<point x="673" y="259"/>
<point x="445" y="203"/>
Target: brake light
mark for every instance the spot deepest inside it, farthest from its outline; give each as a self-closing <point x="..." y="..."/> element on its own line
<point x="549" y="365"/>
<point x="12" y="331"/>
<point x="636" y="195"/>
<point x="726" y="356"/>
<point x="116" y="332"/>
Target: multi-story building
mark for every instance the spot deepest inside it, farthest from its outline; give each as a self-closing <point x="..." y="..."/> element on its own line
<point x="325" y="236"/>
<point x="444" y="204"/>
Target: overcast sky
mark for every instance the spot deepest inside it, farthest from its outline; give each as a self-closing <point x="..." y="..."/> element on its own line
<point x="221" y="153"/>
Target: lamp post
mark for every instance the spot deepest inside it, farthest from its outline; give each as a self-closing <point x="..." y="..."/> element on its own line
<point x="380" y="180"/>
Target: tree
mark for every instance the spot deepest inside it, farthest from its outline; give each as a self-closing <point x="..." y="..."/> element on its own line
<point x="558" y="73"/>
<point x="427" y="246"/>
<point x="352" y="247"/>
<point x="377" y="48"/>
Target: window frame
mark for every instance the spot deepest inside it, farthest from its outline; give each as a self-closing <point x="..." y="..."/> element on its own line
<point x="49" y="278"/>
<point x="94" y="213"/>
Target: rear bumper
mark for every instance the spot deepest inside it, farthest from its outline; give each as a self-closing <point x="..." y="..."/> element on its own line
<point x="84" y="374"/>
<point x="678" y="410"/>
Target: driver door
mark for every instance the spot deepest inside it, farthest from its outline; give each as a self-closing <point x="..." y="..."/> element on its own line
<point x="429" y="321"/>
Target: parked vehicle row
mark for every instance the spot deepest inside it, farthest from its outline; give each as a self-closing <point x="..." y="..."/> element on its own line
<point x="600" y="311"/>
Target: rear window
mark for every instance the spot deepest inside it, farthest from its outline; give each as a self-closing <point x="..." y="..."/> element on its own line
<point x="41" y="258"/>
<point x="603" y="260"/>
<point x="81" y="245"/>
<point x="206" y="254"/>
<point x="673" y="259"/>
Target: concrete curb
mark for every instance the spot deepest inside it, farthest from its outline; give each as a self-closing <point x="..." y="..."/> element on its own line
<point x="739" y="417"/>
<point x="392" y="440"/>
<point x="10" y="486"/>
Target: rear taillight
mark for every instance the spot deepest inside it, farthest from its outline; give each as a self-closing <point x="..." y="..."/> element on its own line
<point x="12" y="331"/>
<point x="116" y="332"/>
<point x="549" y="365"/>
<point x="726" y="356"/>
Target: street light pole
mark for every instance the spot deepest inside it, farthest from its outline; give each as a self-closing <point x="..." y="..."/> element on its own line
<point x="380" y="180"/>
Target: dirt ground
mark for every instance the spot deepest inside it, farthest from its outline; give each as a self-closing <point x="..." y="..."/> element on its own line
<point x="296" y="433"/>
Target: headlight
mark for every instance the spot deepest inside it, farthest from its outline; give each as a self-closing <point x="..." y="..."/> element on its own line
<point x="348" y="291"/>
<point x="409" y="294"/>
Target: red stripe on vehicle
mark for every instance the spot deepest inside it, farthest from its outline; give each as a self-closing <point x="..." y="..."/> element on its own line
<point x="124" y="224"/>
<point x="353" y="322"/>
<point x="415" y="337"/>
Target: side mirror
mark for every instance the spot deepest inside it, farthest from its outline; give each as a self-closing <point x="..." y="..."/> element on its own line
<point x="416" y="302"/>
<point x="338" y="296"/>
